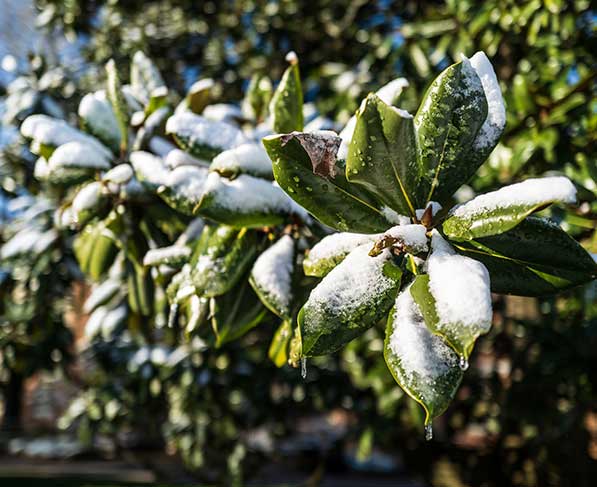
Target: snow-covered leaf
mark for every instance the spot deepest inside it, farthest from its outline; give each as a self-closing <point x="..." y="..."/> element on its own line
<point x="250" y="158"/>
<point x="421" y="363"/>
<point x="498" y="211"/>
<point x="331" y="250"/>
<point x="94" y="250"/>
<point x="149" y="169"/>
<point x="286" y="106"/>
<point x="101" y="294"/>
<point x="184" y="187"/>
<point x="351" y="298"/>
<point x="201" y="137"/>
<point x="173" y="256"/>
<point x="99" y="119"/>
<point x="454" y="297"/>
<point x="271" y="276"/>
<point x="177" y="158"/>
<point x="145" y="77"/>
<point x="118" y="101"/>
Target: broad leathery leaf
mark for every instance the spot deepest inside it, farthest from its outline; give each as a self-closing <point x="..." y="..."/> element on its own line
<point x="98" y="119"/>
<point x="227" y="254"/>
<point x="183" y="188"/>
<point x="498" y="211"/>
<point x="383" y="156"/>
<point x="278" y="350"/>
<point x="454" y="296"/>
<point x="250" y="158"/>
<point x="235" y="313"/>
<point x="94" y="250"/>
<point x="286" y="106"/>
<point x="271" y="276"/>
<point x="201" y="137"/>
<point x="257" y="97"/>
<point x="421" y="363"/>
<point x="535" y="258"/>
<point x="245" y="202"/>
<point x="140" y="289"/>
<point x="145" y="77"/>
<point x="350" y="299"/>
<point x="198" y="95"/>
<point x="330" y="199"/>
<point x="447" y="122"/>
<point x="331" y="250"/>
<point x="118" y="102"/>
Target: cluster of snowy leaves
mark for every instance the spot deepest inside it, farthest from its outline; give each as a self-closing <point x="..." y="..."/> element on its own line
<point x="386" y="182"/>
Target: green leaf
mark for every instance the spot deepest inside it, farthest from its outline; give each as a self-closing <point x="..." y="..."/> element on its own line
<point x="271" y="276"/>
<point x="454" y="297"/>
<point x="420" y="362"/>
<point x="330" y="199"/>
<point x="198" y="96"/>
<point x="383" y="156"/>
<point x="235" y="313"/>
<point x="278" y="349"/>
<point x="99" y="119"/>
<point x="95" y="250"/>
<point x="447" y="122"/>
<point x="244" y="202"/>
<point x="145" y="77"/>
<point x="331" y="250"/>
<point x="140" y="289"/>
<point x="350" y="299"/>
<point x="258" y="95"/>
<point x="225" y="256"/>
<point x="183" y="188"/>
<point x="498" y="211"/>
<point x="118" y="101"/>
<point x="286" y="106"/>
<point x="535" y="258"/>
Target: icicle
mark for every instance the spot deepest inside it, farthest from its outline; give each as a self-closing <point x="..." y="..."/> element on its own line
<point x="463" y="364"/>
<point x="172" y="315"/>
<point x="428" y="432"/>
<point x="303" y="367"/>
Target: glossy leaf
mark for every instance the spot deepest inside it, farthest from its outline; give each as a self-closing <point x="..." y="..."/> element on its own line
<point x="351" y="298"/>
<point x="279" y="348"/>
<point x="330" y="199"/>
<point x="118" y="102"/>
<point x="286" y="106"/>
<point x="225" y="256"/>
<point x="383" y="156"/>
<point x="535" y="258"/>
<point x="94" y="250"/>
<point x="420" y="362"/>
<point x="447" y="122"/>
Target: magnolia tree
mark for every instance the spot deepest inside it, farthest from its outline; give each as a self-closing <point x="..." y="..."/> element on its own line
<point x="203" y="234"/>
<point x="410" y="259"/>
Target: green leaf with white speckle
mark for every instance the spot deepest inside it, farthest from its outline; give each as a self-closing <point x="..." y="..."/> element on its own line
<point x="286" y="106"/>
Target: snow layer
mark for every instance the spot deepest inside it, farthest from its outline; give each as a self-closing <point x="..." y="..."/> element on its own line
<point x="435" y="209"/>
<point x="149" y="168"/>
<point x="187" y="182"/>
<point x="161" y="146"/>
<point x="338" y="244"/>
<point x="78" y="154"/>
<point x="460" y="287"/>
<point x="176" y="158"/>
<point x="101" y="294"/>
<point x="202" y="131"/>
<point x="248" y="158"/>
<point x="88" y="197"/>
<point x="493" y="126"/>
<point x="423" y="357"/>
<point x="54" y="132"/>
<point x="272" y="272"/>
<point x="166" y="255"/>
<point x="528" y="193"/>
<point x="413" y="237"/>
<point x="224" y="112"/>
<point x="394" y="217"/>
<point x="96" y="111"/>
<point x="120" y="174"/>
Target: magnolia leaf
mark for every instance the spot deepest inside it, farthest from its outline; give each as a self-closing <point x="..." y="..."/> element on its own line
<point x="383" y="156"/>
<point x="150" y="170"/>
<point x="286" y="106"/>
<point x="88" y="202"/>
<point x="332" y="250"/>
<point x="102" y="294"/>
<point x="245" y="202"/>
<point x="321" y="147"/>
<point x="140" y="289"/>
<point x="226" y="254"/>
<point x="271" y="276"/>
<point x="94" y="250"/>
<point x="201" y="137"/>
<point x="99" y="119"/>
<point x="447" y="122"/>
<point x="250" y="158"/>
<point x="332" y="200"/>
<point x="258" y="96"/>
<point x="145" y="77"/>
<point x="350" y="299"/>
<point x="498" y="211"/>
<point x="421" y="363"/>
<point x="454" y="297"/>
<point x="183" y="188"/>
<point x="173" y="256"/>
<point x="535" y="258"/>
<point x="278" y="350"/>
<point x="235" y="313"/>
<point x="198" y="95"/>
<point x="118" y="102"/>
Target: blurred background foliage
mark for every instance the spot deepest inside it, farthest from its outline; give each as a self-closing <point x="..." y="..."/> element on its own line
<point x="527" y="412"/>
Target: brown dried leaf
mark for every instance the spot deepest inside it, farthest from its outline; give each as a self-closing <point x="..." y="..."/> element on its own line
<point x="321" y="149"/>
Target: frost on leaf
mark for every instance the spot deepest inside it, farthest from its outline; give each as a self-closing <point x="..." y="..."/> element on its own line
<point x="402" y="238"/>
<point x="351" y="298"/>
<point x="174" y="255"/>
<point x="321" y="147"/>
<point x="422" y="364"/>
<point x="271" y="276"/>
